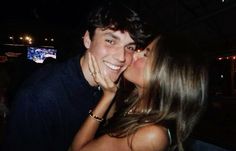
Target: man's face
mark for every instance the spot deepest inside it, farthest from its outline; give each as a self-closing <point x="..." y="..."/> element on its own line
<point x="112" y="50"/>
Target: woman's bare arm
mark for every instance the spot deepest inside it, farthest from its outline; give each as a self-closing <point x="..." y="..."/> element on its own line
<point x="88" y="130"/>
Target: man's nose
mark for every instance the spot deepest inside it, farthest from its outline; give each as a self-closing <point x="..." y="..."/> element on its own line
<point x="120" y="55"/>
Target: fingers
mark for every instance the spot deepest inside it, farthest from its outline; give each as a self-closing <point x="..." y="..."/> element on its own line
<point x="95" y="65"/>
<point x="96" y="70"/>
<point x="110" y="84"/>
<point x="118" y="82"/>
<point x="100" y="78"/>
<point x="91" y="68"/>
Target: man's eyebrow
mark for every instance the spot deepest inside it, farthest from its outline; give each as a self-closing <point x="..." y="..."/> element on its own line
<point x="112" y="35"/>
<point x="132" y="43"/>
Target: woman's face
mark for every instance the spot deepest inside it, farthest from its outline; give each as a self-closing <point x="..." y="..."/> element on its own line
<point x="139" y="66"/>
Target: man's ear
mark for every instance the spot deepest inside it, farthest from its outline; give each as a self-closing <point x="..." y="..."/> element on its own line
<point x="87" y="40"/>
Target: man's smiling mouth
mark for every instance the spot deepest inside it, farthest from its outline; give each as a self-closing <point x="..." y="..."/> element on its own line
<point x="112" y="66"/>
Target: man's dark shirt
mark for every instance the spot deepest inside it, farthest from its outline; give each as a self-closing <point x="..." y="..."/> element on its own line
<point x="49" y="108"/>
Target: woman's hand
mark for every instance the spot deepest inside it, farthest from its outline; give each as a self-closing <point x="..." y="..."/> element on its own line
<point x="85" y="136"/>
<point x="100" y="77"/>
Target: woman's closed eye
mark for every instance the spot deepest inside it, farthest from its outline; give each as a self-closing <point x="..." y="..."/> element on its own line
<point x="146" y="52"/>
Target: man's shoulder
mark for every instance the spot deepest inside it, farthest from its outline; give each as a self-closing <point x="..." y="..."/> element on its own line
<point x="51" y="72"/>
<point x="41" y="75"/>
<point x="51" y="77"/>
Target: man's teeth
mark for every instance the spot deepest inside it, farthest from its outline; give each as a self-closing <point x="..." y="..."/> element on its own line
<point x="113" y="67"/>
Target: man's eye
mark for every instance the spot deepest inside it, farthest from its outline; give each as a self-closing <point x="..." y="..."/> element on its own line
<point x="109" y="41"/>
<point x="131" y="48"/>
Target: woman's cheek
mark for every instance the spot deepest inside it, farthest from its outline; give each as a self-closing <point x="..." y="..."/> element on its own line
<point x="139" y="65"/>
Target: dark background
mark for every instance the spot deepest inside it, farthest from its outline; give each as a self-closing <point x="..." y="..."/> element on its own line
<point x="211" y="23"/>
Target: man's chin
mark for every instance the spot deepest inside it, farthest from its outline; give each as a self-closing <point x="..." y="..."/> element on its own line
<point x="114" y="78"/>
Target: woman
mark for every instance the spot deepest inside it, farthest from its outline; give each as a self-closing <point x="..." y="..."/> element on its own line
<point x="162" y="109"/>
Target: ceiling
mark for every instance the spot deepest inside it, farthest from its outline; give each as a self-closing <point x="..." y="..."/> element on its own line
<point x="211" y="22"/>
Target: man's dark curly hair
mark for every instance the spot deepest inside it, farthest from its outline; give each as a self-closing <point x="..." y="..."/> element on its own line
<point x="117" y="16"/>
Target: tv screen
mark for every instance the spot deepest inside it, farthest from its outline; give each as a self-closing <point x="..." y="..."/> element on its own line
<point x="39" y="54"/>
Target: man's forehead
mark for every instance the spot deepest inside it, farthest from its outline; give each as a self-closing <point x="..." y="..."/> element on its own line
<point x="119" y="35"/>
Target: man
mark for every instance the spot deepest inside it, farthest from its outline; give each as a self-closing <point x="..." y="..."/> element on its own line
<point x="51" y="105"/>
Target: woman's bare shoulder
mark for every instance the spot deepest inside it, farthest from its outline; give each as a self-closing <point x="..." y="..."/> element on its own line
<point x="150" y="138"/>
<point x="147" y="138"/>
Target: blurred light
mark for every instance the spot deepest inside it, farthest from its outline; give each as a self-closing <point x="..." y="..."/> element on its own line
<point x="52" y="39"/>
<point x="21" y="38"/>
<point x="28" y="38"/>
<point x="11" y="37"/>
<point x="219" y="58"/>
<point x="221" y="76"/>
<point x="46" y="39"/>
<point x="234" y="57"/>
